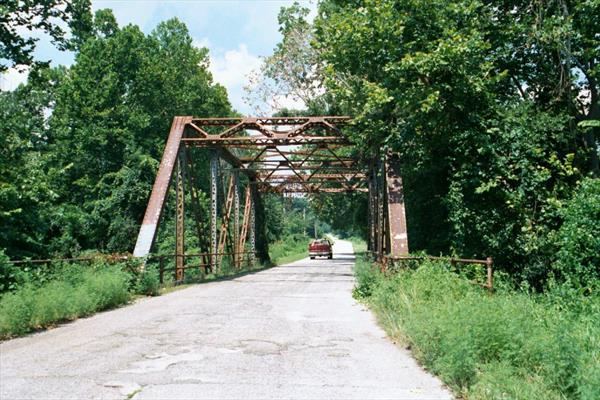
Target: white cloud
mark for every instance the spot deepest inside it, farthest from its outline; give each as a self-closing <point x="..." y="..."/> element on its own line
<point x="231" y="69"/>
<point x="12" y="78"/>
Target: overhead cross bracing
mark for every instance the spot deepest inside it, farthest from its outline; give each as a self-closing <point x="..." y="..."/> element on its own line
<point x="275" y="155"/>
<point x="283" y="154"/>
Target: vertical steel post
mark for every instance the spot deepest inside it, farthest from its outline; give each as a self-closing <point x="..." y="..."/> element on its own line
<point x="236" y="220"/>
<point x="380" y="216"/>
<point x="214" y="179"/>
<point x="180" y="220"/>
<point x="252" y="229"/>
<point x="397" y="230"/>
<point x="371" y="213"/>
<point x="376" y="196"/>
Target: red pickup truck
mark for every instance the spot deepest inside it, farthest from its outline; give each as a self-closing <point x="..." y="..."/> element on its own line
<point x="320" y="248"/>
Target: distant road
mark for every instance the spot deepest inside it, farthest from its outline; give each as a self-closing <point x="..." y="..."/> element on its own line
<point x="288" y="332"/>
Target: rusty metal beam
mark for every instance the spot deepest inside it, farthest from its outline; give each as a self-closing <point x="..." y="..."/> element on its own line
<point x="310" y="190"/>
<point x="280" y="121"/>
<point x="253" y="195"/>
<point x="180" y="218"/>
<point x="398" y="234"/>
<point x="371" y="216"/>
<point x="229" y="200"/>
<point x="236" y="218"/>
<point x="265" y="141"/>
<point x="149" y="227"/>
<point x="284" y="166"/>
<point x="214" y="181"/>
<point x="380" y="210"/>
<point x="246" y="220"/>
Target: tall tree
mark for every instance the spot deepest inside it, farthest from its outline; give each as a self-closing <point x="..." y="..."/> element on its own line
<point x="26" y="192"/>
<point x="83" y="144"/>
<point x="481" y="99"/>
<point x="22" y="21"/>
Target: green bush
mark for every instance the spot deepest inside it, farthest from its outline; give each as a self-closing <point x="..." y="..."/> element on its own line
<point x="78" y="293"/>
<point x="578" y="259"/>
<point x="512" y="345"/>
<point x="366" y="279"/>
<point x="289" y="248"/>
<point x="11" y="276"/>
<point x="148" y="283"/>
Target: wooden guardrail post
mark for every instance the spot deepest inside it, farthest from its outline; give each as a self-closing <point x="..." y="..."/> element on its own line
<point x="489" y="262"/>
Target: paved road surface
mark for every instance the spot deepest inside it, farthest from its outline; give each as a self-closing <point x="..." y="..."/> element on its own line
<point x="287" y="332"/>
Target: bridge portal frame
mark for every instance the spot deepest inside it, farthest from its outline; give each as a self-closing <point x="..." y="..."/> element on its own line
<point x="283" y="155"/>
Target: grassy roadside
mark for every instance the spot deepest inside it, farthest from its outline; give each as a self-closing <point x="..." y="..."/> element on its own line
<point x="512" y="345"/>
<point x="73" y="291"/>
<point x="289" y="249"/>
<point x="358" y="244"/>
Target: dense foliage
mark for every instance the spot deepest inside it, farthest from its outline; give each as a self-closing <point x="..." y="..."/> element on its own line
<point x="66" y="293"/>
<point x="512" y="345"/>
<point x="20" y="20"/>
<point x="80" y="146"/>
<point x="492" y="106"/>
<point x="578" y="239"/>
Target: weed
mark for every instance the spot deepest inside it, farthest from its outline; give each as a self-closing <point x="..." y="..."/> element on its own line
<point x="148" y="283"/>
<point x="77" y="293"/>
<point x="513" y="345"/>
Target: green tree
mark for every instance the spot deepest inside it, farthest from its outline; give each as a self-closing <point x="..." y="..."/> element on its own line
<point x="579" y="236"/>
<point x="109" y="124"/>
<point x="480" y="98"/>
<point x="26" y="192"/>
<point x="39" y="16"/>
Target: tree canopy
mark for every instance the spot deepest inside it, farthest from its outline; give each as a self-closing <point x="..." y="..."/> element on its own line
<point x="492" y="107"/>
<point x="83" y="143"/>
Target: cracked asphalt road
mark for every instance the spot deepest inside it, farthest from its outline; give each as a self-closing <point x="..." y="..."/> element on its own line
<point x="289" y="332"/>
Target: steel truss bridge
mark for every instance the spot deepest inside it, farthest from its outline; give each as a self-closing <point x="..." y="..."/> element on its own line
<point x="267" y="155"/>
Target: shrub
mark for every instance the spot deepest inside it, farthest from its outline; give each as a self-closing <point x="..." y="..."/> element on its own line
<point x="366" y="278"/>
<point x="79" y="292"/>
<point x="512" y="345"/>
<point x="148" y="283"/>
<point x="11" y="276"/>
<point x="578" y="259"/>
<point x="288" y="249"/>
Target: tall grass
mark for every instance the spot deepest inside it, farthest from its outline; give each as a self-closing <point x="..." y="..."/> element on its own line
<point x="512" y="345"/>
<point x="359" y="245"/>
<point x="288" y="249"/>
<point x="74" y="293"/>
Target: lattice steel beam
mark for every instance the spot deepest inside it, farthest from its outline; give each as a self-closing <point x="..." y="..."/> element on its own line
<point x="180" y="218"/>
<point x="214" y="181"/>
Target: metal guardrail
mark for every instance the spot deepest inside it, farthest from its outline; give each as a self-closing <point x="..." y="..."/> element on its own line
<point x="205" y="265"/>
<point x="110" y="258"/>
<point x="488" y="263"/>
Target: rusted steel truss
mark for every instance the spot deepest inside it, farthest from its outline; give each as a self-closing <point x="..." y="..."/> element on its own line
<point x="273" y="155"/>
<point x="388" y="234"/>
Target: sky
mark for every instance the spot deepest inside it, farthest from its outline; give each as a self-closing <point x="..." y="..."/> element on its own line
<point x="237" y="34"/>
